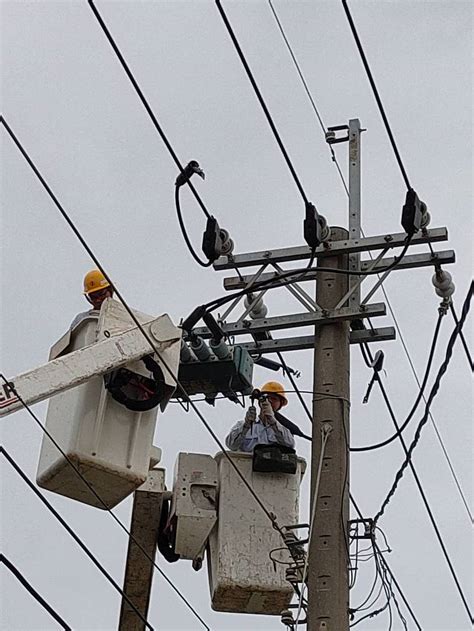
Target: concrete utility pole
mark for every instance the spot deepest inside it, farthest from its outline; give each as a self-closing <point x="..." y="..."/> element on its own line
<point x="328" y="585"/>
<point x="139" y="568"/>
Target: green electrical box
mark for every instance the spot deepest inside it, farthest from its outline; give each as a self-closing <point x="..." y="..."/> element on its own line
<point x="230" y="377"/>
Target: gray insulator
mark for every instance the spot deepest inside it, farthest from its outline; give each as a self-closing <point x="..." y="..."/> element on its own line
<point x="443" y="284"/>
<point x="220" y="349"/>
<point x="200" y="349"/>
<point x="186" y="354"/>
<point x="259" y="310"/>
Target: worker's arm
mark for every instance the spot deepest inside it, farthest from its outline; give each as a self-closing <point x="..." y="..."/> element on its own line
<point x="237" y="434"/>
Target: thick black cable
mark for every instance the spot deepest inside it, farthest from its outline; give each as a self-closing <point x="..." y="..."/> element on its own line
<point x="461" y="335"/>
<point x="76" y="538"/>
<point x="419" y="396"/>
<point x="76" y="469"/>
<point x="376" y="93"/>
<point x="145" y="103"/>
<point x="434" y="391"/>
<point x="36" y="595"/>
<point x="184" y="232"/>
<point x="408" y="458"/>
<point x="407" y="604"/>
<point x="279" y="279"/>
<point x="139" y="326"/>
<point x="261" y="100"/>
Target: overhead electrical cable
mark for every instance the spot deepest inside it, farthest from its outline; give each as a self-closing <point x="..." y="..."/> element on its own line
<point x="376" y="94"/>
<point x="76" y="469"/>
<point x="145" y="103"/>
<point x="153" y="347"/>
<point x="308" y="92"/>
<point x="434" y="391"/>
<point x="73" y="534"/>
<point x="461" y="335"/>
<point x="408" y="458"/>
<point x="419" y="395"/>
<point x="261" y="101"/>
<point x="418" y="482"/>
<point x="185" y="234"/>
<point x="36" y="595"/>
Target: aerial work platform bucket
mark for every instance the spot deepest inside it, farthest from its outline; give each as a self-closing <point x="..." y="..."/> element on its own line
<point x="107" y="442"/>
<point x="242" y="577"/>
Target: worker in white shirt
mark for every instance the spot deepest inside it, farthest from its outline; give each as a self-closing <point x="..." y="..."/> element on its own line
<point x="263" y="429"/>
<point x="96" y="289"/>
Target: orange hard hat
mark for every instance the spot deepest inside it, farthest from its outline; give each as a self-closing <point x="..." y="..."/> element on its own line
<point x="273" y="387"/>
<point x="94" y="281"/>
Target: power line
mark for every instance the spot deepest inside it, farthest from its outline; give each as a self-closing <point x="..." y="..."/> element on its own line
<point x="376" y="93"/>
<point x="36" y="595"/>
<point x="461" y="335"/>
<point x="307" y="90"/>
<point x="419" y="396"/>
<point x="104" y="505"/>
<point x="409" y="451"/>
<point x="261" y="101"/>
<point x="76" y="538"/>
<point x="145" y="103"/>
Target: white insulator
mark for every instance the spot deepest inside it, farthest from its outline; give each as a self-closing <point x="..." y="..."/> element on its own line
<point x="259" y="309"/>
<point x="186" y="354"/>
<point x="200" y="349"/>
<point x="220" y="349"/>
<point x="325" y="229"/>
<point x="425" y="218"/>
<point x="227" y="246"/>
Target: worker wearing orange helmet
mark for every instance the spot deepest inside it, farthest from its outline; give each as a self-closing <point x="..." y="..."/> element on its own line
<point x="263" y="429"/>
<point x="96" y="289"/>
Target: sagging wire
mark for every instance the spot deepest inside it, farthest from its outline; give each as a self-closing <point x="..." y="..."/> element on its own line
<point x="408" y="459"/>
<point x="419" y="395"/>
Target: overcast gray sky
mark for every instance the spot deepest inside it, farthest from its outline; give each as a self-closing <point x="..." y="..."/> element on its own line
<point x="71" y="105"/>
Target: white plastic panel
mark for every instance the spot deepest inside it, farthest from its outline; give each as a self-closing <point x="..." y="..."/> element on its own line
<point x="242" y="578"/>
<point x="194" y="502"/>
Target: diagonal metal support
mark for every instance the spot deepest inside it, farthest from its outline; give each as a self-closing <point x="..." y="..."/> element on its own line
<point x="299" y="293"/>
<point x="355" y="288"/>
<point x="247" y="285"/>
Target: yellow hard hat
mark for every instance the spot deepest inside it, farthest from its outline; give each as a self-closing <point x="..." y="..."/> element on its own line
<point x="94" y="281"/>
<point x="273" y="387"/>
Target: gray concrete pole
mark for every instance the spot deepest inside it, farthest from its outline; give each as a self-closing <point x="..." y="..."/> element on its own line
<point x="147" y="503"/>
<point x="328" y="584"/>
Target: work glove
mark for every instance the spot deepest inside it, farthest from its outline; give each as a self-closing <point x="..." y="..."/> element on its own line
<point x="266" y="412"/>
<point x="250" y="416"/>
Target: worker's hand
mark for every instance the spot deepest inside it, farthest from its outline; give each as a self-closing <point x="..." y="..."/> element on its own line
<point x="250" y="416"/>
<point x="266" y="412"/>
